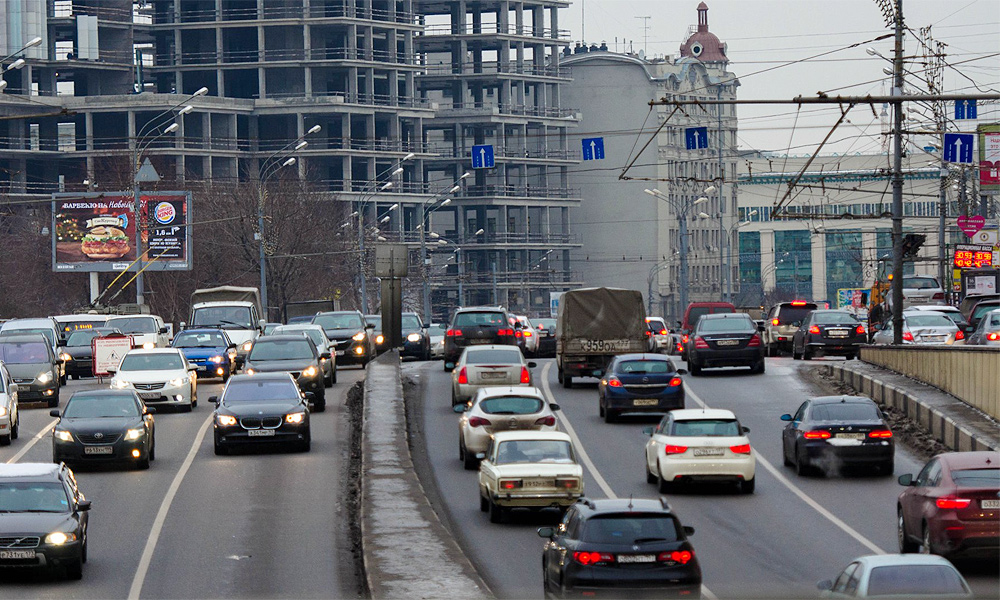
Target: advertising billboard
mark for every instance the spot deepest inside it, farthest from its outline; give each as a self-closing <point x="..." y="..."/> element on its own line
<point x="989" y="159"/>
<point x="96" y="232"/>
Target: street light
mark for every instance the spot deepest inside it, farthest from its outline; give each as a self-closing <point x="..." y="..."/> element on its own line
<point x="682" y="213"/>
<point x="17" y="64"/>
<point x="430" y="205"/>
<point x="729" y="252"/>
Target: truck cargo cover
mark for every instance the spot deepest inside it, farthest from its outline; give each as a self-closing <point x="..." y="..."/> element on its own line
<point x="227" y="293"/>
<point x="601" y="313"/>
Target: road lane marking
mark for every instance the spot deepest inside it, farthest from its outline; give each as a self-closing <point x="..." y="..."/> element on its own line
<point x="801" y="494"/>
<point x="34" y="440"/>
<point x="161" y="515"/>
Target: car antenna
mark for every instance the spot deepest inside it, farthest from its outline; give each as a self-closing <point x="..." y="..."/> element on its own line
<point x="630" y="501"/>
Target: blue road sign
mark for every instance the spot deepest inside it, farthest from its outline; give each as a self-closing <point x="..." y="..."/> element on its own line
<point x="696" y="137"/>
<point x="958" y="148"/>
<point x="482" y="157"/>
<point x="965" y="109"/>
<point x="593" y="148"/>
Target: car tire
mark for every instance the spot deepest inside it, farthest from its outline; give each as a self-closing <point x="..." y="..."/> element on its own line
<point x="806" y="354"/>
<point x="305" y="445"/>
<point x="152" y="450"/>
<point x="650" y="478"/>
<point x="221" y="450"/>
<point x="795" y="355"/>
<point x="484" y="504"/>
<point x="469" y="461"/>
<point x="906" y="546"/>
<point x="496" y="512"/>
<point x="15" y="429"/>
<point x="760" y="367"/>
<point x="926" y="545"/>
<point x="662" y="485"/>
<point x="143" y="463"/>
<point x="454" y="398"/>
<point x="694" y="368"/>
<point x="567" y="381"/>
<point x="801" y="464"/>
<point x="83" y="549"/>
<point x="188" y="408"/>
<point x="54" y="400"/>
<point x="600" y="407"/>
<point x="748" y="486"/>
<point x="446" y="369"/>
<point x="850" y="357"/>
<point x="5" y="440"/>
<point x="886" y="468"/>
<point x="784" y="456"/>
<point x="333" y="378"/>
<point x="74" y="570"/>
<point x="610" y="416"/>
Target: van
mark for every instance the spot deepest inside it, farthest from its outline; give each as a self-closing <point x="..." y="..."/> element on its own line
<point x="47" y="327"/>
<point x="695" y="311"/>
<point x="144" y="329"/>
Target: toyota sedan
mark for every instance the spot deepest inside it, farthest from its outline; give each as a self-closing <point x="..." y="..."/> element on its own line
<point x="160" y="375"/>
<point x="104" y="426"/>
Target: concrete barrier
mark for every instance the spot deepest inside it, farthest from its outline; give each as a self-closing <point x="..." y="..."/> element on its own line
<point x="969" y="373"/>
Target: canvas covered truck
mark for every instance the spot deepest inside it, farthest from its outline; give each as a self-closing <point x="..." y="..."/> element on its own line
<point x="594" y="325"/>
<point x="235" y="309"/>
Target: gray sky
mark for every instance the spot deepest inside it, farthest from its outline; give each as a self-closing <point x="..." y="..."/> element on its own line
<point x="763" y="34"/>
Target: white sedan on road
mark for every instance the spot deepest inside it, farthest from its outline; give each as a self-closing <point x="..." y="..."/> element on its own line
<point x="497" y="409"/>
<point x="897" y="576"/>
<point x="923" y="328"/>
<point x="696" y="444"/>
<point x="159" y="376"/>
<point x="488" y="365"/>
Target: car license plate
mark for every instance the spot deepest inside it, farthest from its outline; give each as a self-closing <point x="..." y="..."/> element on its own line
<point x="727" y="343"/>
<point x="341" y="352"/>
<point x="645" y="402"/>
<point x="636" y="558"/>
<point x="837" y="333"/>
<point x="538" y="483"/>
<point x="989" y="503"/>
<point x="709" y="451"/>
<point x="17" y="554"/>
<point x="149" y="395"/>
<point x="260" y="432"/>
<point x="851" y="436"/>
<point x="493" y="375"/>
<point x="98" y="449"/>
<point x="480" y="341"/>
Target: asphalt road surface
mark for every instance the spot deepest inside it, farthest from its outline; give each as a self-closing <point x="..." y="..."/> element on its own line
<point x="264" y="523"/>
<point x="777" y="543"/>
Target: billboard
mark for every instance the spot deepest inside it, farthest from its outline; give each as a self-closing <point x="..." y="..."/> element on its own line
<point x="989" y="159"/>
<point x="96" y="232"/>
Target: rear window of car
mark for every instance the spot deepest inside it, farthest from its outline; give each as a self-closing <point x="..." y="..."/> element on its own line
<point x="847" y="411"/>
<point x="511" y="405"/>
<point x="920" y="283"/>
<point x="480" y="319"/>
<point x="706" y="427"/>
<point x="835" y="319"/>
<point x="644" y="366"/>
<point x="983" y="308"/>
<point x="533" y="451"/>
<point x="697" y="312"/>
<point x="928" y="321"/>
<point x="630" y="529"/>
<point x="493" y="356"/>
<point x="915" y="580"/>
<point x="199" y="340"/>
<point x="976" y="477"/>
<point x="791" y="314"/>
<point x="545" y="323"/>
<point x="726" y="326"/>
<point x="249" y="390"/>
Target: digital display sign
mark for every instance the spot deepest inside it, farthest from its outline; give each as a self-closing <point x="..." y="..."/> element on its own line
<point x="972" y="257"/>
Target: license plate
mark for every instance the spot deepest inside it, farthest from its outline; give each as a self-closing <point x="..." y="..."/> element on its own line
<point x="850" y="436"/>
<point x="17" y="554"/>
<point x="260" y="432"/>
<point x="636" y="558"/>
<point x="645" y="402"/>
<point x="341" y="352"/>
<point x="98" y="449"/>
<point x="493" y="375"/>
<point x="709" y="451"/>
<point x="837" y="333"/>
<point x="479" y="342"/>
<point x="989" y="503"/>
<point x="149" y="395"/>
<point x="727" y="343"/>
<point x="538" y="483"/>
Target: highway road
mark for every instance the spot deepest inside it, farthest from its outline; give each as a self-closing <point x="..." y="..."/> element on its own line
<point x="266" y="523"/>
<point x="777" y="543"/>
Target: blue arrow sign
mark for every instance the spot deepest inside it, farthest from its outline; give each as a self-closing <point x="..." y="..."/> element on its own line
<point x="593" y="148"/>
<point x="696" y="137"/>
<point x="965" y="109"/>
<point x="958" y="148"/>
<point x="482" y="157"/>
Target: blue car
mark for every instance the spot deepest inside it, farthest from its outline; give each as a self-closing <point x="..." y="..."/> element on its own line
<point x="640" y="384"/>
<point x="209" y="349"/>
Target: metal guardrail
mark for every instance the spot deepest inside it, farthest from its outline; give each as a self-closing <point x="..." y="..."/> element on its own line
<point x="971" y="374"/>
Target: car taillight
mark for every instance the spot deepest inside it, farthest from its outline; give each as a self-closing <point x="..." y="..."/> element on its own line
<point x="700" y="342"/>
<point x="671" y="449"/>
<point x="817" y="434"/>
<point x="649" y="333"/>
<point x="463" y="376"/>
<point x="774" y="322"/>
<point x="614" y="382"/>
<point x="814" y="329"/>
<point x="685" y="339"/>
<point x="741" y="449"/>
<point x="938" y="296"/>
<point x="959" y="335"/>
<point x="479" y="422"/>
<point x="548" y="421"/>
<point x="592" y="558"/>
<point x="517" y="333"/>
<point x="676" y="381"/>
<point x="677" y="556"/>
<point x="798" y="302"/>
<point x="505" y="332"/>
<point x="525" y="375"/>
<point x="453" y="333"/>
<point x="993" y="337"/>
<point x="754" y="341"/>
<point x="567" y="484"/>
<point x="526" y="333"/>
<point x="510" y="484"/>
<point x="907" y="336"/>
<point x="880" y="433"/>
<point x="860" y="330"/>
<point x="953" y="503"/>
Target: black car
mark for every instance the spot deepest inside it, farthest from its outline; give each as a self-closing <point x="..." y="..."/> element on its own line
<point x="416" y="341"/>
<point x="34" y="367"/>
<point x="294" y="354"/>
<point x="640" y="383"/>
<point x="473" y="326"/>
<point x="828" y="333"/>
<point x="546" y="331"/>
<point x="45" y="518"/>
<point x="725" y="340"/>
<point x="102" y="426"/>
<point x="265" y="408"/>
<point x="381" y="342"/>
<point x="620" y="548"/>
<point x="834" y="431"/>
<point x="350" y="333"/>
<point x="78" y="354"/>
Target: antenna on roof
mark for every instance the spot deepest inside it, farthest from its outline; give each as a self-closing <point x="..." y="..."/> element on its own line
<point x="630" y="501"/>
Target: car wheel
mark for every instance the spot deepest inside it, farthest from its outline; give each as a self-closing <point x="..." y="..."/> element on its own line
<point x="851" y="356"/>
<point x="905" y="545"/>
<point x="926" y="546"/>
<point x="454" y="398"/>
<point x="469" y="460"/>
<point x="610" y="416"/>
<point x="54" y="400"/>
<point x="694" y="368"/>
<point x="484" y="504"/>
<point x="188" y="408"/>
<point x="801" y="464"/>
<point x="152" y="449"/>
<point x="5" y="440"/>
<point x="662" y="484"/>
<point x="15" y="429"/>
<point x="650" y="478"/>
<point x="83" y="549"/>
<point x="74" y="377"/>
<point x="74" y="570"/>
<point x="319" y="404"/>
<point x="807" y="354"/>
<point x="600" y="407"/>
<point x="305" y="445"/>
<point x="747" y="486"/>
<point x="496" y="512"/>
<point x="784" y="455"/>
<point x="886" y="468"/>
<point x="333" y="378"/>
<point x="220" y="450"/>
<point x="567" y="381"/>
<point x="143" y="463"/>
<point x="761" y="367"/>
<point x="795" y="355"/>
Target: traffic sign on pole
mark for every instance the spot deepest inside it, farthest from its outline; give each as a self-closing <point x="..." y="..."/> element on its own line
<point x="958" y="148"/>
<point x="593" y="148"/>
<point x="696" y="137"/>
<point x="482" y="157"/>
<point x="965" y="109"/>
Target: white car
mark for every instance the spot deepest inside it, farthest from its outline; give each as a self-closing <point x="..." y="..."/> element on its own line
<point x="696" y="444"/>
<point x="528" y="469"/>
<point x="988" y="331"/>
<point x="920" y="290"/>
<point x="662" y="338"/>
<point x="488" y="365"/>
<point x="317" y="334"/>
<point x="437" y="331"/>
<point x="924" y="328"/>
<point x="159" y="376"/>
<point x="529" y="335"/>
<point x="147" y="331"/>
<point x="897" y="576"/>
<point x="10" y="419"/>
<point x="496" y="409"/>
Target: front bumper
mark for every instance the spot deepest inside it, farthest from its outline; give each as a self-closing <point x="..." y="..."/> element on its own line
<point x="352" y="352"/>
<point x="207" y="368"/>
<point x="415" y="349"/>
<point x="34" y="392"/>
<point x="46" y="555"/>
<point x="168" y="394"/>
<point x="76" y="451"/>
<point x="237" y="435"/>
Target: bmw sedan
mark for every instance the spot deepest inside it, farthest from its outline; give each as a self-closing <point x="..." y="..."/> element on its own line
<point x="725" y="340"/>
<point x="831" y="432"/>
<point x="263" y="408"/>
<point x="640" y="384"/>
<point x="828" y="333"/>
<point x="104" y="426"/>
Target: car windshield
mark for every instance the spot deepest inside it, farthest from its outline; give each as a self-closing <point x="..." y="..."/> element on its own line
<point x="929" y="321"/>
<point x="249" y="390"/>
<point x="726" y="326"/>
<point x="211" y="339"/>
<point x="644" y="366"/>
<point x="410" y="323"/>
<point x="545" y="323"/>
<point x="844" y="411"/>
<point x="223" y="316"/>
<point x="92" y="407"/>
<point x="791" y="314"/>
<point x="920" y="283"/>
<point x="266" y="349"/>
<point x="152" y="362"/>
<point x="24" y="353"/>
<point x="988" y="478"/>
<point x="633" y="528"/>
<point x="32" y="496"/>
<point x="511" y="405"/>
<point x="348" y="321"/>
<point x="436" y="330"/>
<point x="533" y="451"/>
<point x="834" y="318"/>
<point x="479" y="319"/>
<point x="915" y="580"/>
<point x="46" y="333"/>
<point x="706" y="428"/>
<point x="134" y="324"/>
<point x="83" y="337"/>
<point x="493" y="356"/>
<point x="314" y="335"/>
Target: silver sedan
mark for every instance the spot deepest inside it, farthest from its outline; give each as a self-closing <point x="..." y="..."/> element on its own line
<point x="925" y="329"/>
<point x="488" y="365"/>
<point x="988" y="331"/>
<point x="496" y="409"/>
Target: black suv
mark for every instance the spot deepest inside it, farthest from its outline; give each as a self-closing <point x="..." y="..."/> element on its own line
<point x="353" y="337"/>
<point x="477" y="325"/>
<point x="623" y="547"/>
<point x="45" y="518"/>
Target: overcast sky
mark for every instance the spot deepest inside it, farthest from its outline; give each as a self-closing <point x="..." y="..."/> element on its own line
<point x="764" y="34"/>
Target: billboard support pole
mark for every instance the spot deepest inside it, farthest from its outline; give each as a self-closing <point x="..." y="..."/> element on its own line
<point x="95" y="287"/>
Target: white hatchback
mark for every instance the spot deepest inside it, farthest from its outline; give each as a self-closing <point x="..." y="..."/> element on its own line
<point x="696" y="444"/>
<point x="159" y="376"/>
<point x="485" y="366"/>
<point x="497" y="409"/>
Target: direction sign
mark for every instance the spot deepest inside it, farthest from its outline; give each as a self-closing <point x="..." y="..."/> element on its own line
<point x="696" y="137"/>
<point x="482" y="157"/>
<point x="958" y="148"/>
<point x="593" y="148"/>
<point x="965" y="109"/>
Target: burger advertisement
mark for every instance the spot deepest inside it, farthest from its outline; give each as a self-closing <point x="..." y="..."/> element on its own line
<point x="97" y="232"/>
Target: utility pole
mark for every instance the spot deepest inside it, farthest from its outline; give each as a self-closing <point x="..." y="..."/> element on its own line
<point x="724" y="275"/>
<point x="897" y="177"/>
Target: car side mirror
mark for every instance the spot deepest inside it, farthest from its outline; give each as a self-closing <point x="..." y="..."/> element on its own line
<point x="906" y="479"/>
<point x="325" y="355"/>
<point x="83" y="505"/>
<point x="554" y="407"/>
<point x="648" y="430"/>
<point x="546" y="532"/>
<point x="370" y="326"/>
<point x="688" y="530"/>
<point x="825" y="585"/>
<point x="449" y="365"/>
<point x="55" y="413"/>
<point x="745" y="429"/>
<point x="192" y="369"/>
<point x="681" y="371"/>
<point x="150" y="410"/>
<point x="425" y="326"/>
<point x="786" y="417"/>
<point x="532" y="364"/>
<point x="761" y="328"/>
<point x="231" y="347"/>
<point x="214" y="400"/>
<point x="796" y="323"/>
<point x="182" y="324"/>
<point x="481" y="455"/>
<point x="459" y="408"/>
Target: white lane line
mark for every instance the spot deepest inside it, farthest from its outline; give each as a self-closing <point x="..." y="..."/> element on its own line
<point x="802" y="495"/>
<point x="34" y="440"/>
<point x="161" y="515"/>
<point x="578" y="445"/>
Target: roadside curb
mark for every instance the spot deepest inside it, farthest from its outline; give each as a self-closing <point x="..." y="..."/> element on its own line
<point x="406" y="550"/>
<point x="931" y="409"/>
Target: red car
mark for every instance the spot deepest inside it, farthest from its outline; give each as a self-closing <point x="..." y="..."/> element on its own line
<point x="952" y="507"/>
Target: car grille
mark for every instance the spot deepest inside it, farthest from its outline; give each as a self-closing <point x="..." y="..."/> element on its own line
<point x="24" y="380"/>
<point x="260" y="422"/>
<point x="148" y="386"/>
<point x="105" y="438"/>
<point x="344" y="344"/>
<point x="19" y="542"/>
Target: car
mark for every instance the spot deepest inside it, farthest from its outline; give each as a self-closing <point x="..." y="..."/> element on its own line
<point x="981" y="309"/>
<point x="208" y="349"/>
<point x="48" y="328"/>
<point x="694" y="312"/>
<point x="351" y="334"/>
<point x="270" y="327"/>
<point x="416" y="341"/>
<point x="951" y="312"/>
<point x="435" y="331"/>
<point x="545" y="329"/>
<point x="700" y="445"/>
<point x="10" y="416"/>
<point x="639" y="384"/>
<point x="147" y="331"/>
<point x="725" y="340"/>
<point x="834" y="431"/>
<point x="158" y="375"/>
<point x="261" y="408"/>
<point x="67" y="324"/>
<point x="528" y="335"/>
<point x="294" y="354"/>
<point x="102" y="426"/>
<point x="661" y="336"/>
<point x="323" y="345"/>
<point x="381" y="342"/>
<point x="621" y="548"/>
<point x="45" y="518"/>
<point x="987" y="333"/>
<point x="952" y="506"/>
<point x="897" y="576"/>
<point x="828" y="333"/>
<point x="491" y="365"/>
<point x="968" y="305"/>
<point x="783" y="320"/>
<point x="78" y="353"/>
<point x="496" y="409"/>
<point x="921" y="290"/>
<point x="528" y="469"/>
<point x="922" y="328"/>
<point x="476" y="326"/>
<point x="34" y="367"/>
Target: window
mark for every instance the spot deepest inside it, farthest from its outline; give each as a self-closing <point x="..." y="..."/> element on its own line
<point x="152" y="362"/>
<point x="834" y="318"/>
<point x="473" y="319"/>
<point x="841" y="583"/>
<point x="493" y="356"/>
<point x="706" y="427"/>
<point x="92" y="407"/>
<point x="626" y="529"/>
<point x="644" y="366"/>
<point x="282" y="350"/>
<point x="210" y="339"/>
<point x="135" y="324"/>
<point x="983" y="478"/>
<point x="511" y="405"/>
<point x="844" y="411"/>
<point x="249" y="390"/>
<point x="18" y="496"/>
<point x="533" y="451"/>
<point x="915" y="580"/>
<point x="348" y="321"/>
<point x="24" y="353"/>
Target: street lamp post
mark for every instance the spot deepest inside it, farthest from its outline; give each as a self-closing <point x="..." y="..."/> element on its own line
<point x="429" y="206"/>
<point x="682" y="214"/>
<point x="17" y="64"/>
<point x="729" y="253"/>
<point x="461" y="264"/>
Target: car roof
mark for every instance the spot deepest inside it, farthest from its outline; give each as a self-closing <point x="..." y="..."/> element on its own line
<point x="498" y="391"/>
<point x="103" y="393"/>
<point x="299" y="327"/>
<point x="201" y="330"/>
<point x="507" y="436"/>
<point x="339" y="312"/>
<point x="733" y="315"/>
<point x="154" y="351"/>
<point x="693" y="414"/>
<point x="797" y="304"/>
<point x="281" y="337"/>
<point x="844" y="398"/>
<point x="644" y="356"/>
<point x="971" y="460"/>
<point x="481" y="309"/>
<point x="25" y="337"/>
<point x="623" y="505"/>
<point x="282" y="375"/>
<point x="933" y="308"/>
<point x="479" y="347"/>
<point x="885" y="560"/>
<point x="32" y="321"/>
<point x="33" y="470"/>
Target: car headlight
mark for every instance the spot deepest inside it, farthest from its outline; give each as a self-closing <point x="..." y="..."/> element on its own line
<point x="58" y="538"/>
<point x="246" y="346"/>
<point x="65" y="357"/>
<point x="45" y="377"/>
<point x="62" y="434"/>
<point x="148" y="345"/>
<point x="134" y="434"/>
<point x="225" y="420"/>
<point x="295" y="417"/>
<point x="3" y="411"/>
<point x="310" y="371"/>
<point x="119" y="383"/>
<point x="250" y="371"/>
<point x="378" y="339"/>
<point x="178" y="381"/>
<point x="216" y="359"/>
<point x="357" y="337"/>
<point x="413" y="337"/>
